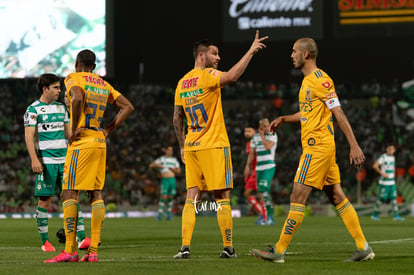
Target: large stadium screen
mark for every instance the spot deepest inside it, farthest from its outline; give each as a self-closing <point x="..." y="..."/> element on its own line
<point x="44" y="36"/>
<point x="279" y="19"/>
<point x="380" y="18"/>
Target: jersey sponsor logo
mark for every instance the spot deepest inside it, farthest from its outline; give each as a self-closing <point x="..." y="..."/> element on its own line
<point x="326" y="84"/>
<point x="311" y="141"/>
<point x="51" y="126"/>
<point x="290" y="225"/>
<point x="189" y="83"/>
<point x="331" y="95"/>
<point x="213" y="72"/>
<point x="193" y="144"/>
<point x="191" y="101"/>
<point x="96" y="90"/>
<point x="191" y="93"/>
<point x="94" y="80"/>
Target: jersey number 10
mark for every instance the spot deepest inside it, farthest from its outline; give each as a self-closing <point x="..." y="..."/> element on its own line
<point x="192" y="113"/>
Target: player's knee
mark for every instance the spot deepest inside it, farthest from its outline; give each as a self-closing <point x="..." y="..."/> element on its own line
<point x="94" y="195"/>
<point x="45" y="199"/>
<point x="69" y="195"/>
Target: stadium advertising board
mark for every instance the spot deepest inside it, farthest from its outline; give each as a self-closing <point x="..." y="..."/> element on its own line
<point x="279" y="19"/>
<point x="374" y="18"/>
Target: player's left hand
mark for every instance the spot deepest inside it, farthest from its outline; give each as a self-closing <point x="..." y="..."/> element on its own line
<point x="356" y="157"/>
<point x="75" y="135"/>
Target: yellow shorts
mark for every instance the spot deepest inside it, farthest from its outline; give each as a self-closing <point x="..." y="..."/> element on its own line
<point x="84" y="169"/>
<point x="209" y="169"/>
<point x="318" y="168"/>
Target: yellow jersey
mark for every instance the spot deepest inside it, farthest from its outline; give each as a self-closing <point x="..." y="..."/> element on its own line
<point x="317" y="97"/>
<point x="97" y="93"/>
<point x="199" y="93"/>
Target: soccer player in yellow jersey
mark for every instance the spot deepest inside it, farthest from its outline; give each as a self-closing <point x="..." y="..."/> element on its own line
<point x="317" y="167"/>
<point x="86" y="157"/>
<point x="206" y="148"/>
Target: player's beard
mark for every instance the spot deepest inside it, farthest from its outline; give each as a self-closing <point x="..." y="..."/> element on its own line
<point x="299" y="63"/>
<point x="210" y="63"/>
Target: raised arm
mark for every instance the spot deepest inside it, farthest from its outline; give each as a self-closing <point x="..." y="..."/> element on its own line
<point x="238" y="69"/>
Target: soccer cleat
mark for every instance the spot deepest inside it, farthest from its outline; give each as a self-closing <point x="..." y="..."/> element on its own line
<point x="361" y="255"/>
<point x="270" y="221"/>
<point x="168" y="218"/>
<point x="260" y="220"/>
<point x="228" y="252"/>
<point x="61" y="235"/>
<point x="84" y="244"/>
<point x="374" y="217"/>
<point x="90" y="257"/>
<point x="64" y="257"/>
<point x="398" y="218"/>
<point x="48" y="247"/>
<point x="269" y="255"/>
<point x="184" y="253"/>
<point x="159" y="217"/>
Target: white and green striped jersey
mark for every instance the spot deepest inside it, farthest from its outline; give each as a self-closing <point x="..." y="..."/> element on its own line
<point x="387" y="165"/>
<point x="265" y="158"/>
<point x="167" y="163"/>
<point x="49" y="120"/>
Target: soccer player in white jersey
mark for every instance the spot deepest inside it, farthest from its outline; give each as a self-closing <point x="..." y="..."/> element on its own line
<point x="385" y="166"/>
<point x="169" y="168"/>
<point x="263" y="145"/>
<point x="46" y="127"/>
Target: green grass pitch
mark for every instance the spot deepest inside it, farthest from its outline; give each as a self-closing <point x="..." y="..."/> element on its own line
<point x="146" y="246"/>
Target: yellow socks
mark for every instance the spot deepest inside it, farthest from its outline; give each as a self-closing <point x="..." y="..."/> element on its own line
<point x="188" y="222"/>
<point x="351" y="221"/>
<point x="70" y="216"/>
<point x="225" y="221"/>
<point x="98" y="216"/>
<point x="292" y="223"/>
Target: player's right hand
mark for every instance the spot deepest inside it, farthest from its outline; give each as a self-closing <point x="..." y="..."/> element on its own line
<point x="247" y="171"/>
<point x="37" y="167"/>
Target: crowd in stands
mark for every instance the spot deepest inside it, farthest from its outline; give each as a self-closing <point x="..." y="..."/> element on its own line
<point x="379" y="114"/>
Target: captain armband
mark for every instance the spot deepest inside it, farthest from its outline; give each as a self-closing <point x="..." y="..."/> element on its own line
<point x="332" y="103"/>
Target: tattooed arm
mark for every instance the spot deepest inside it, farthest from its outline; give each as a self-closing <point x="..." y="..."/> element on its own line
<point x="179" y="127"/>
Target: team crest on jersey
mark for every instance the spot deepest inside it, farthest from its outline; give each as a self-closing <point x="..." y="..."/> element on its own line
<point x="308" y="95"/>
<point x="311" y="141"/>
<point x="39" y="186"/>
